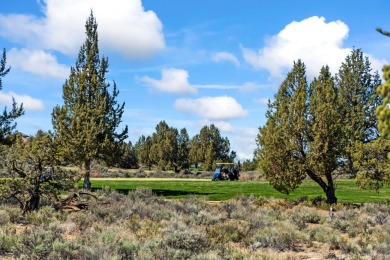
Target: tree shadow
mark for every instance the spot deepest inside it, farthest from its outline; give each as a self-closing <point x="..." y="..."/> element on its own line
<point x="165" y="193"/>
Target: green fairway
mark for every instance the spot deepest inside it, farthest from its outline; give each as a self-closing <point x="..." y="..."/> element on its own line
<point x="224" y="190"/>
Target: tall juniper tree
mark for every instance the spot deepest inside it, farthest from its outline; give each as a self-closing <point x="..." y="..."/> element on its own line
<point x="7" y="124"/>
<point x="87" y="121"/>
<point x="358" y="99"/>
<point x="299" y="139"/>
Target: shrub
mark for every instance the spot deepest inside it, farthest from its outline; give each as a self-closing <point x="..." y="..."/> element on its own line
<point x="302" y="215"/>
<point x="128" y="249"/>
<point x="4" y="217"/>
<point x="190" y="240"/>
<point x="328" y="235"/>
<point x="231" y="230"/>
<point x="7" y="239"/>
<point x="37" y="242"/>
<point x="64" y="250"/>
<point x="281" y="237"/>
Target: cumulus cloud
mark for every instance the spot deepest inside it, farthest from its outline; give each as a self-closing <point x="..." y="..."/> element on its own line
<point x="212" y="108"/>
<point x="37" y="62"/>
<point x="263" y="101"/>
<point x="124" y="26"/>
<point x="29" y="103"/>
<point x="245" y="142"/>
<point x="221" y="125"/>
<point x="172" y="81"/>
<point x="313" y="40"/>
<point x="225" y="56"/>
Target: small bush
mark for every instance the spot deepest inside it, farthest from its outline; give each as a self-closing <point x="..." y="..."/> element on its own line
<point x="4" y="217"/>
<point x="37" y="242"/>
<point x="231" y="230"/>
<point x="7" y="239"/>
<point x="303" y="215"/>
<point x="189" y="240"/>
<point x="280" y="237"/>
<point x="128" y="249"/>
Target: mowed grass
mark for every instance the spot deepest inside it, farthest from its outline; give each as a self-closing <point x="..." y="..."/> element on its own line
<point x="224" y="190"/>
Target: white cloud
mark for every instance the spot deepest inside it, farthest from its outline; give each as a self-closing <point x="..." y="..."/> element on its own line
<point x="29" y="103"/>
<point x="225" y="56"/>
<point x="263" y="101"/>
<point x="124" y="26"/>
<point x="217" y="86"/>
<point x="172" y="81"/>
<point x="213" y="108"/>
<point x="37" y="62"/>
<point x="245" y="143"/>
<point x="312" y="40"/>
<point x="223" y="126"/>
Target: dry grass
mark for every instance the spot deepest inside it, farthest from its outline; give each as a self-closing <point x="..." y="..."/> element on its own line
<point x="141" y="225"/>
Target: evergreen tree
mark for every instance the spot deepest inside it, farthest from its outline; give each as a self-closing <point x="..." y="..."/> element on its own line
<point x="127" y="156"/>
<point x="358" y="100"/>
<point x="142" y="149"/>
<point x="86" y="123"/>
<point x="212" y="147"/>
<point x="383" y="110"/>
<point x="30" y="172"/>
<point x="372" y="164"/>
<point x="299" y="138"/>
<point x="165" y="148"/>
<point x="7" y="124"/>
<point x="195" y="153"/>
<point x="183" y="149"/>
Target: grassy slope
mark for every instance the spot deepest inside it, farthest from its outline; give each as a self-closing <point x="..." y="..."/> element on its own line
<point x="223" y="190"/>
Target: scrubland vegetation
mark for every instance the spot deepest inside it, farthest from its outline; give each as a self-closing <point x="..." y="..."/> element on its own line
<point x="141" y="225"/>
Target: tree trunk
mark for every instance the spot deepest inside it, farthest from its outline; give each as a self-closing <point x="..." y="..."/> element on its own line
<point x="33" y="203"/>
<point x="328" y="188"/>
<point x="352" y="170"/>
<point x="87" y="173"/>
<point x="330" y="195"/>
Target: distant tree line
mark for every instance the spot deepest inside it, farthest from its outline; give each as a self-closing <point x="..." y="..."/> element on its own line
<point x="170" y="149"/>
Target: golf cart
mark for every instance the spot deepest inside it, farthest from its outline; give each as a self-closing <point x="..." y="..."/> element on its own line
<point x="225" y="171"/>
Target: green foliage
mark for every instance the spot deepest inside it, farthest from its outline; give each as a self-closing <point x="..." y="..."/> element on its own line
<point x="208" y="148"/>
<point x="283" y="139"/>
<point x="37" y="242"/>
<point x="298" y="139"/>
<point x="143" y="150"/>
<point x="127" y="157"/>
<point x="184" y="146"/>
<point x="165" y="146"/>
<point x="29" y="171"/>
<point x="372" y="164"/>
<point x="383" y="111"/>
<point x="86" y="123"/>
<point x="7" y="124"/>
<point x="358" y="100"/>
<point x="313" y="130"/>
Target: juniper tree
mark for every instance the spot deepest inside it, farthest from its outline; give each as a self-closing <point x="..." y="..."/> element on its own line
<point x="195" y="153"/>
<point x="7" y="124"/>
<point x="299" y="139"/>
<point x="87" y="121"/>
<point x="358" y="99"/>
<point x="383" y="110"/>
<point x="213" y="147"/>
<point x="184" y="145"/>
<point x="30" y="170"/>
<point x="142" y="149"/>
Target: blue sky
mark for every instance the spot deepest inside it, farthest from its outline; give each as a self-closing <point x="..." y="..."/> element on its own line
<point x="190" y="63"/>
